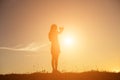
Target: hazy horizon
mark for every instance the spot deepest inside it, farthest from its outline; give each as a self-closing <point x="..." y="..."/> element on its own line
<point x="94" y="26"/>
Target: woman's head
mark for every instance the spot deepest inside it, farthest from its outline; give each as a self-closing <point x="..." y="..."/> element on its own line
<point x="53" y="27"/>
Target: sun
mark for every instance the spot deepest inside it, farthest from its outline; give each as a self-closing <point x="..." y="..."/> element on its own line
<point x="68" y="41"/>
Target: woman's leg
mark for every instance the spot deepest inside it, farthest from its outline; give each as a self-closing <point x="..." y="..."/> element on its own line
<point x="56" y="62"/>
<point x="52" y="63"/>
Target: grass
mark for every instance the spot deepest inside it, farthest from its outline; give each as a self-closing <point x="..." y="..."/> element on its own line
<point x="90" y="75"/>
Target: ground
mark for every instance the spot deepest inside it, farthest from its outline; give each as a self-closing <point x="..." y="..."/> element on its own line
<point x="63" y="76"/>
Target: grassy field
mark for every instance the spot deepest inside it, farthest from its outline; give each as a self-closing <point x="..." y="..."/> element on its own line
<point x="92" y="75"/>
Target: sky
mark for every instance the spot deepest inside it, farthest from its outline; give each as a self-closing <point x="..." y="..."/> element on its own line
<point x="93" y="26"/>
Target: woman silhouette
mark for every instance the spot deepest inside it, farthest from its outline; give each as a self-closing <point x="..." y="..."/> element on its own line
<point x="55" y="47"/>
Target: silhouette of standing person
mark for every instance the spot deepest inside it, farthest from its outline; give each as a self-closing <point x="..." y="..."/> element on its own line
<point x="55" y="47"/>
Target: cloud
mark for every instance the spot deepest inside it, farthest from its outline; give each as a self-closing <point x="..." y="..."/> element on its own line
<point x="29" y="47"/>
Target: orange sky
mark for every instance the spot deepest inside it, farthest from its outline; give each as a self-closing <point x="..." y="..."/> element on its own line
<point x="93" y="26"/>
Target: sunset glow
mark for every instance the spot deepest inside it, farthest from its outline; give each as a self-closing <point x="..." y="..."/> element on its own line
<point x="90" y="39"/>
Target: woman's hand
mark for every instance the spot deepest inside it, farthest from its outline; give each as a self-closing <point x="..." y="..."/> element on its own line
<point x="61" y="29"/>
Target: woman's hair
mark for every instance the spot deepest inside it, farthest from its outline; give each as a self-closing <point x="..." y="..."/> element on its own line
<point x="53" y="27"/>
<point x="53" y="31"/>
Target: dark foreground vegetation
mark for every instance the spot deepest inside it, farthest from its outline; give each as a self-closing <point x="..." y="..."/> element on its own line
<point x="93" y="75"/>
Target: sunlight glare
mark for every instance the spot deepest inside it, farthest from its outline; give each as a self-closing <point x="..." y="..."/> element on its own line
<point x="117" y="71"/>
<point x="68" y="41"/>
